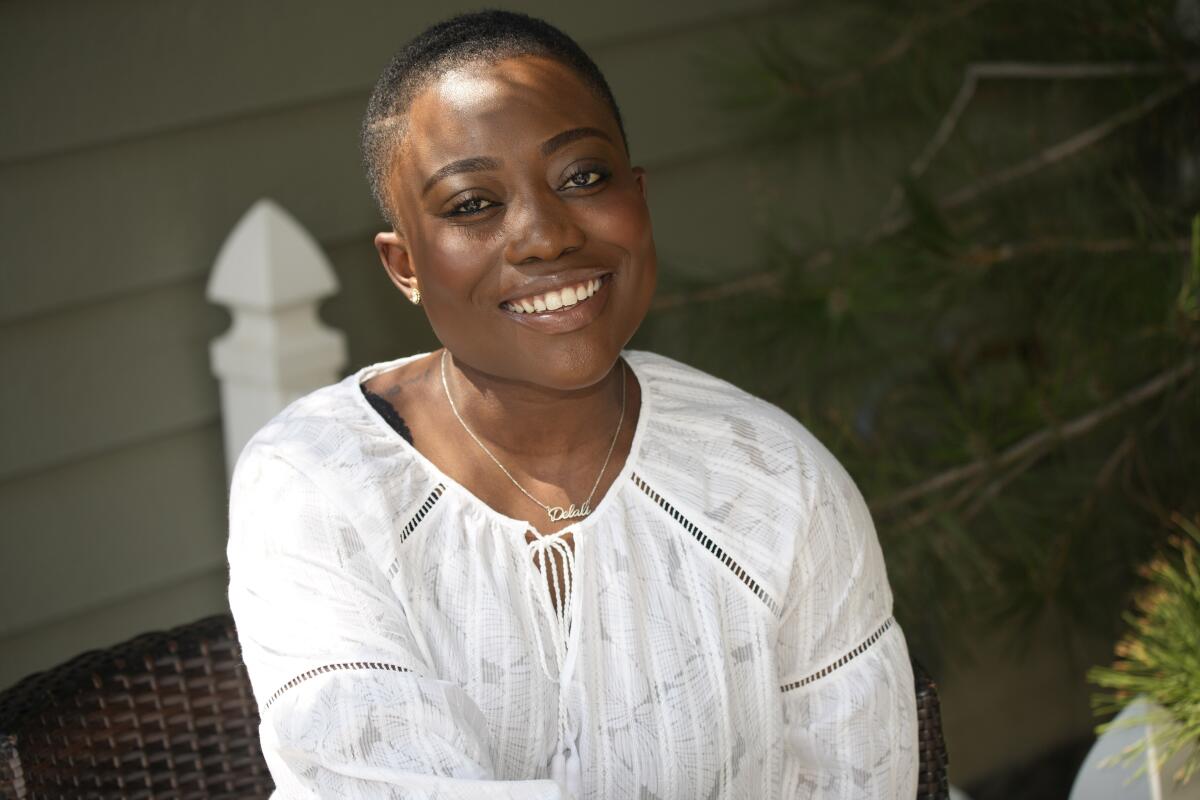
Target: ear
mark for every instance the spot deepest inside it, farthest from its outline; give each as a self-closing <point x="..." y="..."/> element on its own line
<point x="393" y="252"/>
<point x="639" y="175"/>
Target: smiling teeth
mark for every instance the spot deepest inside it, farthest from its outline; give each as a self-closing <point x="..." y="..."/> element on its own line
<point x="555" y="299"/>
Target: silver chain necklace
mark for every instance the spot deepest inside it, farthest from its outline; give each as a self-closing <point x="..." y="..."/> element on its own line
<point x="555" y="513"/>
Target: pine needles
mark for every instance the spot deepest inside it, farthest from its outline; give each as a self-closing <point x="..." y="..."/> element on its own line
<point x="1160" y="657"/>
<point x="1005" y="353"/>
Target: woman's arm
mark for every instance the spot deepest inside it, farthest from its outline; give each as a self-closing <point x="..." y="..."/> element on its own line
<point x="846" y="681"/>
<point x="350" y="707"/>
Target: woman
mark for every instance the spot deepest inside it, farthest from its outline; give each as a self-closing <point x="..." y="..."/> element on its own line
<point x="531" y="564"/>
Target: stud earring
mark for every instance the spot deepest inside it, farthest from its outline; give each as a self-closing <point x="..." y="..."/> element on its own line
<point x="416" y="296"/>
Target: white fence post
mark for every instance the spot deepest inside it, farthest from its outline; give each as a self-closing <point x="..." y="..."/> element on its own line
<point x="271" y="274"/>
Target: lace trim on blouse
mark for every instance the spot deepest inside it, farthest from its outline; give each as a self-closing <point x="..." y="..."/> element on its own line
<point x="345" y="665"/>
<point x="708" y="544"/>
<point x="841" y="662"/>
<point x="433" y="497"/>
<point x="412" y="524"/>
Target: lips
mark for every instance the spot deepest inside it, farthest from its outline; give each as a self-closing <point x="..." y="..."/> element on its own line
<point x="555" y="299"/>
<point x="587" y="300"/>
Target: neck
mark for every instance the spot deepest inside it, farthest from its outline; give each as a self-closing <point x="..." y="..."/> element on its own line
<point x="536" y="422"/>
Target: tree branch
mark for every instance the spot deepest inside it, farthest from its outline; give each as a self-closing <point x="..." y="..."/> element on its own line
<point x="1015" y="70"/>
<point x="1046" y="157"/>
<point x="754" y="282"/>
<point x="1107" y="470"/>
<point x="1045" y="438"/>
<point x="983" y="256"/>
<point x="893" y="52"/>
<point x="1012" y="70"/>
<point x="923" y="516"/>
<point x="1068" y="147"/>
<point x="999" y="254"/>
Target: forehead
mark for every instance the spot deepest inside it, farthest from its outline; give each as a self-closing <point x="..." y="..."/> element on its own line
<point x="483" y="108"/>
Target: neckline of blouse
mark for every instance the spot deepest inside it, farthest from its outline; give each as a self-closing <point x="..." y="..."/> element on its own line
<point x="631" y="357"/>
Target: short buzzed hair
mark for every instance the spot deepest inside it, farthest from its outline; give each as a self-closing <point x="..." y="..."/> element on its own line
<point x="488" y="36"/>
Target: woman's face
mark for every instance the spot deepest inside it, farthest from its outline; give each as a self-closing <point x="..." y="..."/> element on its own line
<point x="513" y="192"/>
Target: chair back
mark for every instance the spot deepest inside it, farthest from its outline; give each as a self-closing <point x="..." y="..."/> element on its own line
<point x="933" y="782"/>
<point x="163" y="715"/>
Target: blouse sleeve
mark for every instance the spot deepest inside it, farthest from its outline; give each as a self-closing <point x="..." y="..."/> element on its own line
<point x="349" y="705"/>
<point x="849" y="704"/>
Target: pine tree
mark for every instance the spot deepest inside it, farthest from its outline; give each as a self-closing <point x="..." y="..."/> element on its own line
<point x="1006" y="353"/>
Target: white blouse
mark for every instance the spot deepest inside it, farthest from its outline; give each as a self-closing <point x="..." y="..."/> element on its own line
<point x="727" y="633"/>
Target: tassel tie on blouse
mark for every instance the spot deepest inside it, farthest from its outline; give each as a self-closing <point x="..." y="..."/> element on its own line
<point x="548" y="551"/>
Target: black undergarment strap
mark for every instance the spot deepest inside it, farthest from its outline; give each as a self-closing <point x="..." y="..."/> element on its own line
<point x="388" y="412"/>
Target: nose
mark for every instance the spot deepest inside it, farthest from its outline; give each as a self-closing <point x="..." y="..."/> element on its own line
<point x="542" y="228"/>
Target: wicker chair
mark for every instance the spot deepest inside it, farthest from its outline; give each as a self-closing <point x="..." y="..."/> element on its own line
<point x="164" y="715"/>
<point x="933" y="780"/>
<point x="171" y="715"/>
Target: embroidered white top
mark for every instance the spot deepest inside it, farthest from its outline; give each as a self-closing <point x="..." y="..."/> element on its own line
<point x="727" y="629"/>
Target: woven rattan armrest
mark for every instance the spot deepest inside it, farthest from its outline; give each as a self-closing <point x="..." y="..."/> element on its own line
<point x="163" y="715"/>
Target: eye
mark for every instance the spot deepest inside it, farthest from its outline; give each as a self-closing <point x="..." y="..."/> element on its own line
<point x="589" y="176"/>
<point x="472" y="204"/>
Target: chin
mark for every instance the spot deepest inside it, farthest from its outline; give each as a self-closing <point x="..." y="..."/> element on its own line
<point x="573" y="367"/>
<point x="549" y="362"/>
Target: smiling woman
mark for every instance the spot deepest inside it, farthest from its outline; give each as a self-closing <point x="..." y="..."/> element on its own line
<point x="534" y="564"/>
<point x="511" y="181"/>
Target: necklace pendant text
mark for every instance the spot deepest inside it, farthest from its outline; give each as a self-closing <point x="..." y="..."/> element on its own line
<point x="573" y="512"/>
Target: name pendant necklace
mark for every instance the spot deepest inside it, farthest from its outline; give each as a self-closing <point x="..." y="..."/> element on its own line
<point x="555" y="513"/>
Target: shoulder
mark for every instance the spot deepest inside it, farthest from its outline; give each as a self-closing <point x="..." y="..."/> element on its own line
<point x="312" y="429"/>
<point x="335" y="439"/>
<point x="751" y="472"/>
<point x="696" y="411"/>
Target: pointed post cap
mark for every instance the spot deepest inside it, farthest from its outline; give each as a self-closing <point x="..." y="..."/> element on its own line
<point x="269" y="261"/>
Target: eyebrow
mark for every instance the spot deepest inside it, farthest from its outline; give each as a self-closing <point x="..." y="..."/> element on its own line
<point x="561" y="140"/>
<point x="475" y="164"/>
<point x="484" y="163"/>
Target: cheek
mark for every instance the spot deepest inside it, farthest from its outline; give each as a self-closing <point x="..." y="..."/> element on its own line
<point x="454" y="262"/>
<point x="624" y="221"/>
